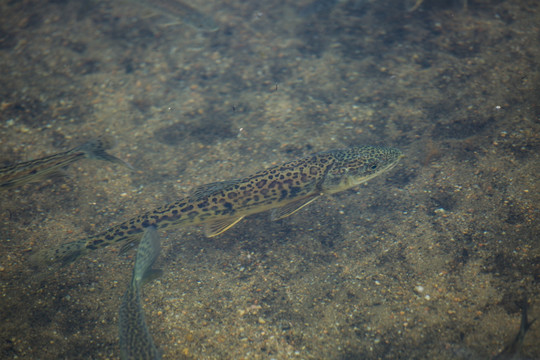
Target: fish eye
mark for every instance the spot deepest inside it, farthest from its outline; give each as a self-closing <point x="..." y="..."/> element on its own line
<point x="373" y="166"/>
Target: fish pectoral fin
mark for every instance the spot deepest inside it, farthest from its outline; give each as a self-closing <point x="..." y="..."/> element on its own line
<point x="217" y="227"/>
<point x="291" y="208"/>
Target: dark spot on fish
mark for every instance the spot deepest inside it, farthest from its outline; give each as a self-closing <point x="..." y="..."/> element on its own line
<point x="294" y="190"/>
<point x="187" y="208"/>
<point x="231" y="195"/>
<point x="202" y="205"/>
<point x="261" y="183"/>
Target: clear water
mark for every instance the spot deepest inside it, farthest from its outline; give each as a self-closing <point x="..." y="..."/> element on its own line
<point x="428" y="261"/>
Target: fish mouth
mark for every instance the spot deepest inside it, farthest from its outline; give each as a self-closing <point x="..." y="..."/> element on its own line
<point x="395" y="162"/>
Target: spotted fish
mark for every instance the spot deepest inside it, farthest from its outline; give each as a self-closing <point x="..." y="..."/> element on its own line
<point x="283" y="189"/>
<point x="35" y="170"/>
<point x="135" y="339"/>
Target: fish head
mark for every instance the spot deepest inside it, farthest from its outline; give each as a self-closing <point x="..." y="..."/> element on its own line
<point x="351" y="167"/>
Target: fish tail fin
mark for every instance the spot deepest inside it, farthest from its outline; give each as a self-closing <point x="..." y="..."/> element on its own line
<point x="63" y="254"/>
<point x="97" y="149"/>
<point x="151" y="275"/>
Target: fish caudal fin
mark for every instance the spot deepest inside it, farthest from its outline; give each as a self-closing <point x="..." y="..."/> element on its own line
<point x="63" y="254"/>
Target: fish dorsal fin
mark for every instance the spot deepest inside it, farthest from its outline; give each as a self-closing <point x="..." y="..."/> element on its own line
<point x="291" y="208"/>
<point x="210" y="189"/>
<point x="219" y="226"/>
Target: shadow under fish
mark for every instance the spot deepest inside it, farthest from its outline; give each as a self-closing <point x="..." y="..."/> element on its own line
<point x="135" y="340"/>
<point x="39" y="169"/>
